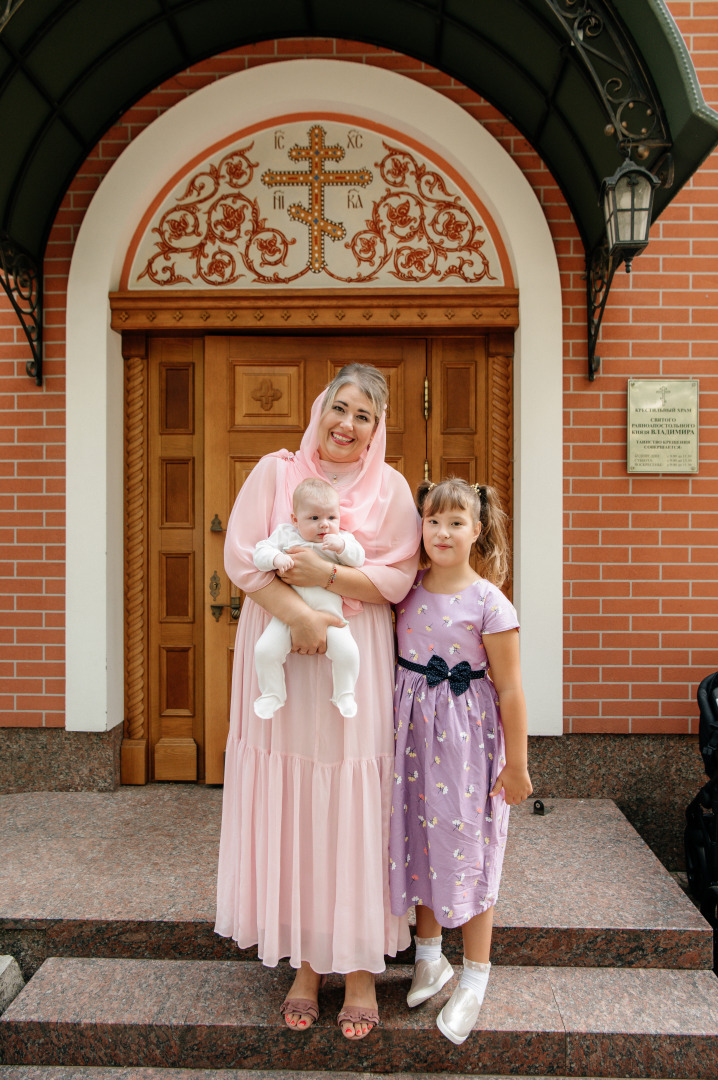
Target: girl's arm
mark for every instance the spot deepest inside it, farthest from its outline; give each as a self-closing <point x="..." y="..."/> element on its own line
<point x="502" y="650"/>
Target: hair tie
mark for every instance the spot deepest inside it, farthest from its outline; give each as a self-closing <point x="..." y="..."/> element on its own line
<point x="477" y="489"/>
<point x="431" y="485"/>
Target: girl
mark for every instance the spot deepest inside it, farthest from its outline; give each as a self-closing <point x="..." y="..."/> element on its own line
<point x="461" y="745"/>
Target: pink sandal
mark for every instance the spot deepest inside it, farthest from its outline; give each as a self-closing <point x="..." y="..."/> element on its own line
<point x="300" y="1005"/>
<point x="306" y="1006"/>
<point x="358" y="1014"/>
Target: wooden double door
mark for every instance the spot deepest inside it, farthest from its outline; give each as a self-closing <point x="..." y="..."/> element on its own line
<point x="215" y="405"/>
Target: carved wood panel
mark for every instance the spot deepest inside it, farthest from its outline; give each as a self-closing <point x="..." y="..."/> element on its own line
<point x="134" y="754"/>
<point x="175" y="565"/>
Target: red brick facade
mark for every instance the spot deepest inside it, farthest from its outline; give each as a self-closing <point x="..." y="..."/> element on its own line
<point x="641" y="575"/>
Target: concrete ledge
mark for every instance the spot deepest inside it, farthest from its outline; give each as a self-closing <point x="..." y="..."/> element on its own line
<point x="11" y="981"/>
<point x="52" y="759"/>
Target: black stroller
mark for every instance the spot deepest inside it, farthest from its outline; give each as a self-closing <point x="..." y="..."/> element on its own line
<point x="701" y="835"/>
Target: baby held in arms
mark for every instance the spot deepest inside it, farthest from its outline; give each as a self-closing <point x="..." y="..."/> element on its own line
<point x="314" y="524"/>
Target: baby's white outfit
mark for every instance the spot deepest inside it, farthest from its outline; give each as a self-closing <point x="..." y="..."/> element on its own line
<point x="275" y="643"/>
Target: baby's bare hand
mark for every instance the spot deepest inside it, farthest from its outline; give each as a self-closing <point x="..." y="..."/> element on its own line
<point x="331" y="542"/>
<point x="282" y="563"/>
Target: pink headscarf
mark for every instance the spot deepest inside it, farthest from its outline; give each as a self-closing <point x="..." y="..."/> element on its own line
<point x="357" y="499"/>
<point x="376" y="506"/>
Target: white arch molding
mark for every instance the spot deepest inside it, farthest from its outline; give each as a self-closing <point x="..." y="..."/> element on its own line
<point x="94" y="627"/>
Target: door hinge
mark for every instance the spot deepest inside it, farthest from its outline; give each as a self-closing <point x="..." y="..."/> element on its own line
<point x="426" y="470"/>
<point x="426" y="398"/>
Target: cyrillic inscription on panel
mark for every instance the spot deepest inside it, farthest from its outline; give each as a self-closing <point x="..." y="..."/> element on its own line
<point x="176" y="586"/>
<point x="177" y="481"/>
<point x="177" y="680"/>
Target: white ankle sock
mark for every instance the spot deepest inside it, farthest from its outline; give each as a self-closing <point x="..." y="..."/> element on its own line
<point x="475" y="977"/>
<point x="427" y="948"/>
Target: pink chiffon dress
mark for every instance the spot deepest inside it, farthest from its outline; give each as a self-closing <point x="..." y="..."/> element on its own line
<point x="307" y="797"/>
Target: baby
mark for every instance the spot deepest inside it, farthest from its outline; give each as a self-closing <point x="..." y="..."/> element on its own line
<point x="315" y="524"/>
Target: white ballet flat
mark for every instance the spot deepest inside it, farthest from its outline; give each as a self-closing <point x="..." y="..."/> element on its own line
<point x="456" y="1020"/>
<point x="429" y="977"/>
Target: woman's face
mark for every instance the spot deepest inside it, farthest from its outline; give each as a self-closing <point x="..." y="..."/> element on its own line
<point x="347" y="426"/>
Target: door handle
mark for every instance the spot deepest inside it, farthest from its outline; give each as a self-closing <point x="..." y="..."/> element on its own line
<point x="234" y="608"/>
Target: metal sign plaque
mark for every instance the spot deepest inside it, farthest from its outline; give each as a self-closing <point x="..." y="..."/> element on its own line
<point x="663" y="426"/>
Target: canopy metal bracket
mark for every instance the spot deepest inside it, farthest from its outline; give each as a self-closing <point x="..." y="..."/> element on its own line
<point x="633" y="110"/>
<point x="600" y="268"/>
<point x="21" y="278"/>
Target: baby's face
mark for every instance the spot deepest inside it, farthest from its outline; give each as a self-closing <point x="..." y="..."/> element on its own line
<point x="314" y="519"/>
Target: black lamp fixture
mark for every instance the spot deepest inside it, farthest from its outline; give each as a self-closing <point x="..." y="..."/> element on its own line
<point x="627" y="200"/>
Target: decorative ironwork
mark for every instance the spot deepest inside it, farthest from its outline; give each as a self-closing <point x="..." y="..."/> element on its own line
<point x="634" y="116"/>
<point x="7" y="10"/>
<point x="600" y="268"/>
<point x="21" y="279"/>
<point x="633" y="111"/>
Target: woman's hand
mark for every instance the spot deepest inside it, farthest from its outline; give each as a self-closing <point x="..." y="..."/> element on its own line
<point x="309" y="632"/>
<point x="515" y="784"/>
<point x="309" y="568"/>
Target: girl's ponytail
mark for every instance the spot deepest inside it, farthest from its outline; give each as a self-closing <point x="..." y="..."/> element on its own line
<point x="492" y="545"/>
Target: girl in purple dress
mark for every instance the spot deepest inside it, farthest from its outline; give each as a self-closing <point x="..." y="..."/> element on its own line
<point x="461" y="745"/>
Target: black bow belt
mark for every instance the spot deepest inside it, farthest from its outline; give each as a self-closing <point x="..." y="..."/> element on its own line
<point x="437" y="670"/>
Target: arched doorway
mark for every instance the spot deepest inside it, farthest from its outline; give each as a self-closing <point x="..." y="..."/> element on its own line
<point x="95" y="701"/>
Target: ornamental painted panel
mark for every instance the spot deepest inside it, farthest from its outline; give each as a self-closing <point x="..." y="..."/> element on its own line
<point x="313" y="203"/>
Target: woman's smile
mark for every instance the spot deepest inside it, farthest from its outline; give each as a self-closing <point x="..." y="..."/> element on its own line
<point x="346" y="428"/>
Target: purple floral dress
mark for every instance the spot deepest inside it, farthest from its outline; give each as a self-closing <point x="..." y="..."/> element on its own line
<point x="447" y="836"/>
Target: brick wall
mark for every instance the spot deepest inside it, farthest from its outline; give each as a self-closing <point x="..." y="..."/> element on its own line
<point x="641" y="579"/>
<point x="641" y="612"/>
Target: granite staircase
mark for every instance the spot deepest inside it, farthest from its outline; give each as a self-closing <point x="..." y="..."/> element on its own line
<point x="602" y="966"/>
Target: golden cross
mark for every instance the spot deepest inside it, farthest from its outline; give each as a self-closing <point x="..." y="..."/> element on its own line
<point x="317" y="179"/>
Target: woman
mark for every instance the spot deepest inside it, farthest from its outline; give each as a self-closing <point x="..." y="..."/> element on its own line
<point x="303" y="854"/>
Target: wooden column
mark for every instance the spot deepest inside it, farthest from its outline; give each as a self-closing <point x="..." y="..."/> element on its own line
<point x="134" y="753"/>
<point x="501" y="428"/>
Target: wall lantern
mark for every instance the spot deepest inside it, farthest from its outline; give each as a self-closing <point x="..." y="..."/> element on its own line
<point x="627" y="200"/>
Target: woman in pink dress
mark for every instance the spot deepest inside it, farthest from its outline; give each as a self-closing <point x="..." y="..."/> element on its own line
<point x="303" y="855"/>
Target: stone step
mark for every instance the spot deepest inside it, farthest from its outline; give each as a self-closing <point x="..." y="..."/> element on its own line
<point x="201" y="1014"/>
<point x="100" y="1072"/>
<point x="113" y="875"/>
